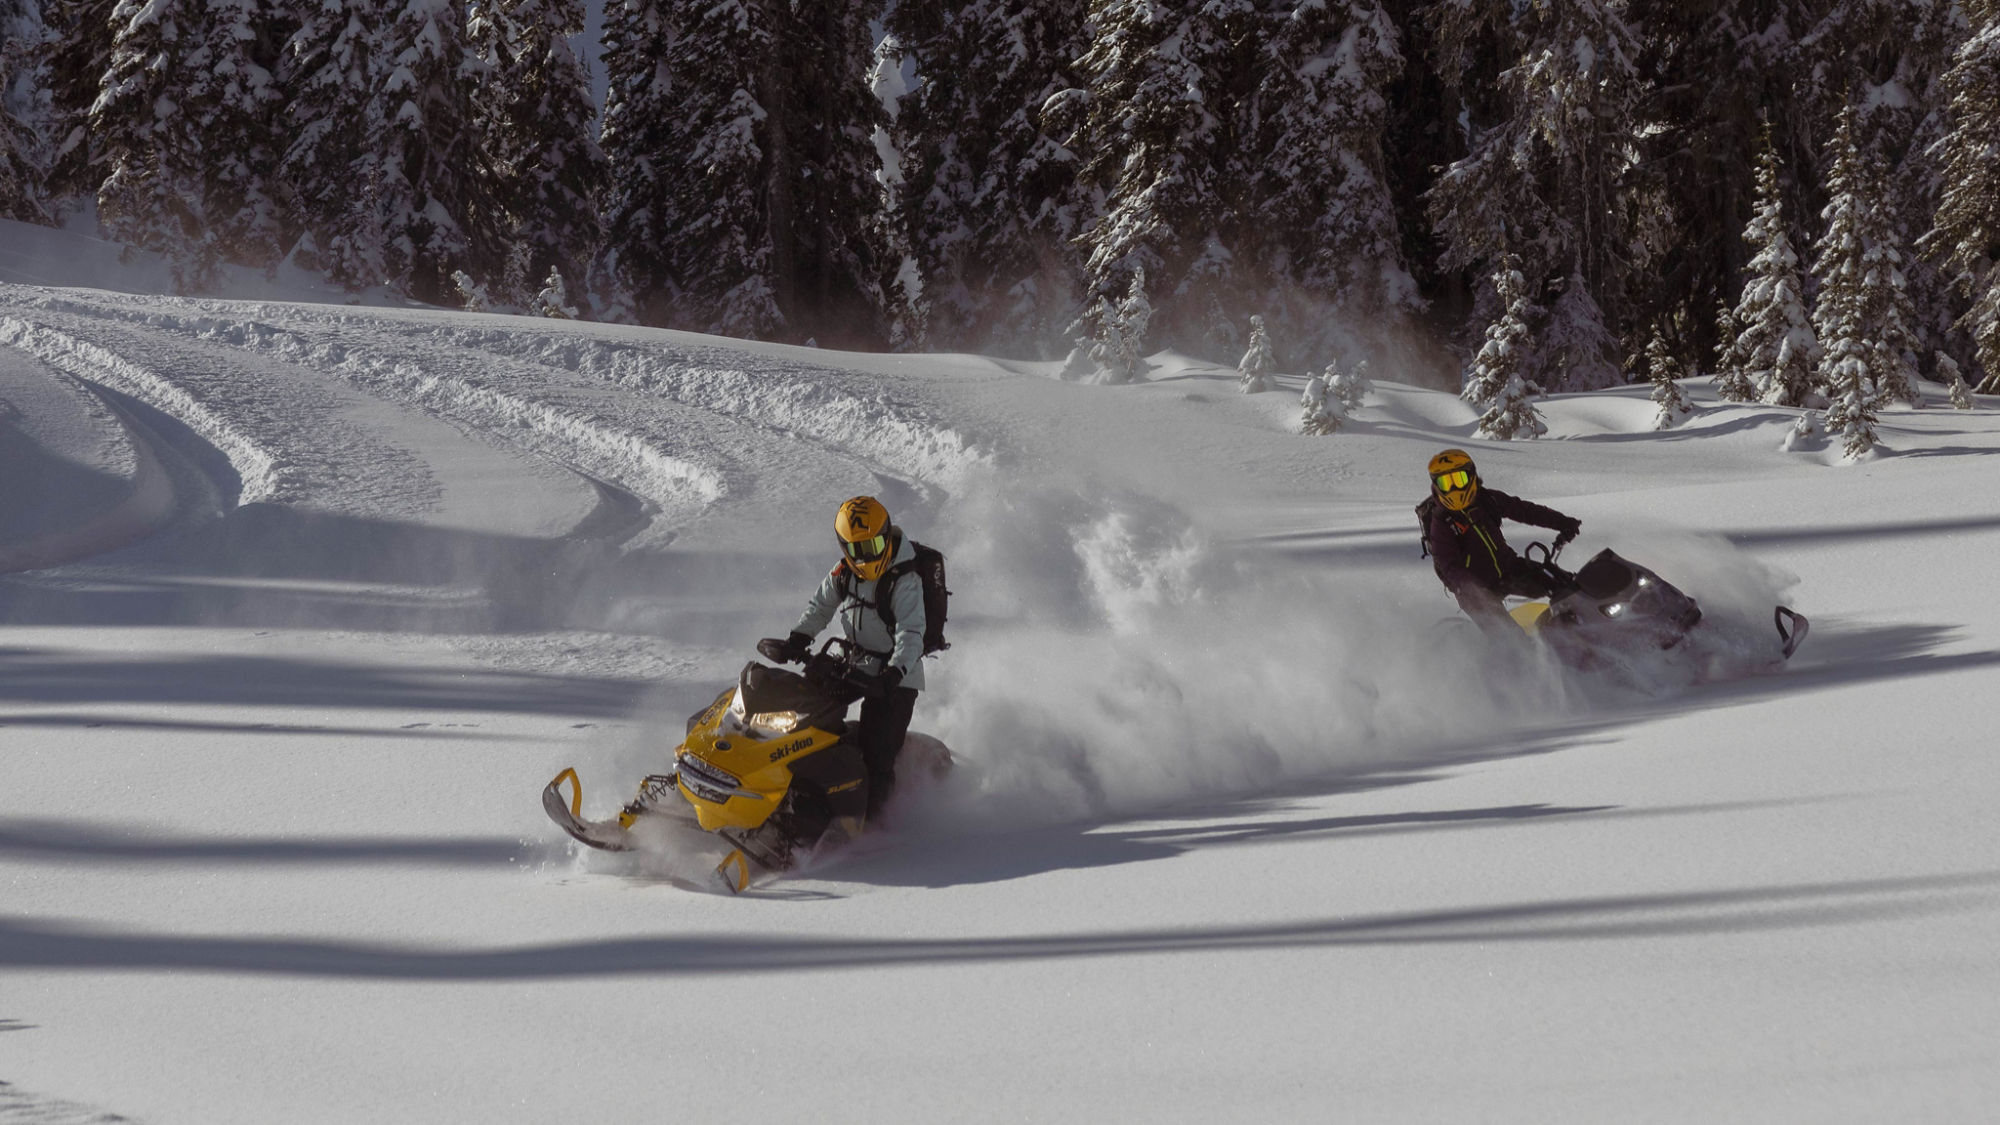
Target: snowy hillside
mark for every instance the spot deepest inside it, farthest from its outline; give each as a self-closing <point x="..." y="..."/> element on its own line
<point x="306" y="601"/>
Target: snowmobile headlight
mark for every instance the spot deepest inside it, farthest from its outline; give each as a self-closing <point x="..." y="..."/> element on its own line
<point x="765" y="724"/>
<point x="1644" y="582"/>
<point x="1614" y="609"/>
<point x="709" y="782"/>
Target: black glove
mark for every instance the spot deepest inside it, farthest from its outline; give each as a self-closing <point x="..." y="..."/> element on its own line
<point x="888" y="681"/>
<point x="793" y="649"/>
<point x="1568" y="534"/>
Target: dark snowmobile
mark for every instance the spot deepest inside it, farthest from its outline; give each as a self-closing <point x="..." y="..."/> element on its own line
<point x="1612" y="605"/>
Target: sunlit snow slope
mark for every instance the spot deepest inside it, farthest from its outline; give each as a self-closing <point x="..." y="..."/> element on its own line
<point x="304" y="601"/>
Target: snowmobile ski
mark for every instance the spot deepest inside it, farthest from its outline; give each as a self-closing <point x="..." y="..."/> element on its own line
<point x="611" y="835"/>
<point x="1792" y="629"/>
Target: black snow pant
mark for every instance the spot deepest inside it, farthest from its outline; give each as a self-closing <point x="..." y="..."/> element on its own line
<point x="885" y="721"/>
<point x="1482" y="602"/>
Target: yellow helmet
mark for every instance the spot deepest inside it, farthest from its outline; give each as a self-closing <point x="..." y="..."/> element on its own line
<point x="866" y="537"/>
<point x="1454" y="481"/>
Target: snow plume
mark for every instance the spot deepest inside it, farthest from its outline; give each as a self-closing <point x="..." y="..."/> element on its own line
<point x="1109" y="658"/>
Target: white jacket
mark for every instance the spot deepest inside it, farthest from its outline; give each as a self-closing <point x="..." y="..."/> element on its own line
<point x="861" y="622"/>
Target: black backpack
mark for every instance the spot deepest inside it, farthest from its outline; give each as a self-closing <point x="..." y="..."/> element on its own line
<point x="928" y="565"/>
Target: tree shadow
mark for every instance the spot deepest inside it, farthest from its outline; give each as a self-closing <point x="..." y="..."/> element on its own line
<point x="1899" y="529"/>
<point x="178" y="726"/>
<point x="28" y="943"/>
<point x="48" y="676"/>
<point x="73" y="843"/>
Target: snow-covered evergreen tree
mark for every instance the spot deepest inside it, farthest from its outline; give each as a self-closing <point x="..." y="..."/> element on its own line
<point x="1853" y="401"/>
<point x="1950" y="375"/>
<point x="434" y="192"/>
<point x="987" y="198"/>
<point x="643" y="53"/>
<point x="1732" y="381"/>
<point x="1349" y="385"/>
<point x="1846" y="371"/>
<point x="1887" y="309"/>
<point x="1497" y="383"/>
<point x="1722" y="81"/>
<point x="553" y="298"/>
<point x="1662" y="368"/>
<point x="184" y="125"/>
<point x="1849" y="282"/>
<point x="537" y="125"/>
<point x="1776" y="348"/>
<point x="1576" y="352"/>
<point x="329" y="74"/>
<point x="1808" y="433"/>
<point x="152" y="196"/>
<point x="1965" y="235"/>
<point x="23" y="153"/>
<point x="81" y="35"/>
<point x="745" y="199"/>
<point x="1887" y="59"/>
<point x="1119" y="347"/>
<point x="1254" y="369"/>
<point x="1326" y="219"/>
<point x="1545" y="180"/>
<point x="1319" y="411"/>
<point x="1156" y="126"/>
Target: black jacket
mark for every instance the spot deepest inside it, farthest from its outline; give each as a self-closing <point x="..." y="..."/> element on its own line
<point x="1467" y="546"/>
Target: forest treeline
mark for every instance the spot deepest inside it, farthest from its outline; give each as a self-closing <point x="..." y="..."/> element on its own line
<point x="1572" y="193"/>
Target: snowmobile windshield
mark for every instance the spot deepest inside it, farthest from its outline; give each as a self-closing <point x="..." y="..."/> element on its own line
<point x="778" y="700"/>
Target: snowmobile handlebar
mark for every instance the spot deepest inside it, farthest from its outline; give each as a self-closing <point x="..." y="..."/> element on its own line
<point x="1564" y="579"/>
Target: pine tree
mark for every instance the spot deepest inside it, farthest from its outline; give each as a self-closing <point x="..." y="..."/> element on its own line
<point x="535" y="118"/>
<point x="1721" y="84"/>
<point x="1327" y="227"/>
<point x="1949" y="374"/>
<point x="1889" y="57"/>
<point x="1545" y="180"/>
<point x="1885" y="296"/>
<point x="184" y="126"/>
<point x="1776" y="348"/>
<point x="1319" y="411"/>
<point x="1663" y="369"/>
<point x="1119" y="347"/>
<point x="431" y="186"/>
<point x="553" y="298"/>
<point x="1732" y="381"/>
<point x="987" y="199"/>
<point x="1156" y="128"/>
<point x="23" y="157"/>
<point x="744" y="197"/>
<point x="643" y="55"/>
<point x="81" y="34"/>
<point x="1254" y="369"/>
<point x="330" y="71"/>
<point x="152" y="196"/>
<point x="1348" y="386"/>
<point x="1840" y="317"/>
<point x="1965" y="235"/>
<point x="1576" y="352"/>
<point x="1497" y="382"/>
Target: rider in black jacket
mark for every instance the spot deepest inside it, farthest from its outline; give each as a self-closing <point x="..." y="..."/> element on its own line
<point x="1461" y="522"/>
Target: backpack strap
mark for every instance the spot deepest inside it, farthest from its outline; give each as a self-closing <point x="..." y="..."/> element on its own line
<point x="884" y="587"/>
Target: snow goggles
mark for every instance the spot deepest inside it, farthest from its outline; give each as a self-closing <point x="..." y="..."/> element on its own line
<point x="865" y="550"/>
<point x="1452" y="481"/>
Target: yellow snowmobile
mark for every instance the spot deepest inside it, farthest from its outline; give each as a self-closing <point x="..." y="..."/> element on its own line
<point x="768" y="767"/>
